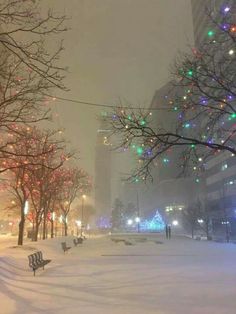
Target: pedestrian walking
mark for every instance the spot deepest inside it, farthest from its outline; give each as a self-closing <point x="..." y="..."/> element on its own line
<point x="169" y="231"/>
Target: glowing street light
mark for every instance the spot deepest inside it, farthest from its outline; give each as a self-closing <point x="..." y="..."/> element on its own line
<point x="78" y="223"/>
<point x="137" y="220"/>
<point x="53" y="216"/>
<point x="129" y="222"/>
<point x="82" y="214"/>
<point x="175" y="222"/>
<point x="26" y="207"/>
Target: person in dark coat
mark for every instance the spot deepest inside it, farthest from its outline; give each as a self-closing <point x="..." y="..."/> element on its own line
<point x="169" y="231"/>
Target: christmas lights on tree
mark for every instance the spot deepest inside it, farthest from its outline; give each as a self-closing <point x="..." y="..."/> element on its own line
<point x="203" y="104"/>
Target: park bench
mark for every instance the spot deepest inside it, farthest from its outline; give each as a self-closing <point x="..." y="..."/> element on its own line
<point x="77" y="241"/>
<point x="36" y="261"/>
<point x="80" y="240"/>
<point x="64" y="247"/>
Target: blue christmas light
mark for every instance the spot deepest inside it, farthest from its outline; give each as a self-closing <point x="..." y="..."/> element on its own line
<point x="155" y="223"/>
<point x="103" y="222"/>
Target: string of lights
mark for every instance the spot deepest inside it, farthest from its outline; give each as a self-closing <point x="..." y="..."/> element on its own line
<point x="105" y="105"/>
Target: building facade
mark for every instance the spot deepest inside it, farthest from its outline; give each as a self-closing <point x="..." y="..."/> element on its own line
<point x="221" y="194"/>
<point x="169" y="193"/>
<point x="220" y="170"/>
<point x="200" y="19"/>
<point x="103" y="172"/>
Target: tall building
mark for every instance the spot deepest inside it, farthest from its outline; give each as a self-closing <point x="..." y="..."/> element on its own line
<point x="221" y="193"/>
<point x="169" y="193"/>
<point x="220" y="172"/>
<point x="103" y="171"/>
<point x="200" y="19"/>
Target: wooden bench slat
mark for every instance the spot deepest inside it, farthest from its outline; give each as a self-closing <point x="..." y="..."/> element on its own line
<point x="36" y="261"/>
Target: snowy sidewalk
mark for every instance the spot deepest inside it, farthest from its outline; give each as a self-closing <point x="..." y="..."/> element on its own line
<point x="180" y="276"/>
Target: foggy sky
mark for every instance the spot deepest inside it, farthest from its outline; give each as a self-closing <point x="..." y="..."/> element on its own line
<point x="116" y="48"/>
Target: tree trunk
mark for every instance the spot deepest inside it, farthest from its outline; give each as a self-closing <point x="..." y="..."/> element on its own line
<point x="207" y="231"/>
<point x="192" y="230"/>
<point x="36" y="231"/>
<point x="33" y="230"/>
<point x="46" y="229"/>
<point x="65" y="228"/>
<point x="52" y="228"/>
<point x="44" y="224"/>
<point x="21" y="229"/>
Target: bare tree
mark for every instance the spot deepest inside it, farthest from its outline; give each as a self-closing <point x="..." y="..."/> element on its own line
<point x="29" y="66"/>
<point x="25" y="34"/>
<point x="191" y="216"/>
<point x="203" y="105"/>
<point x="35" y="155"/>
<point x="73" y="182"/>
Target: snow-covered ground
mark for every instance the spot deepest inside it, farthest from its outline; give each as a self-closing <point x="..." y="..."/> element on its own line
<point x="180" y="276"/>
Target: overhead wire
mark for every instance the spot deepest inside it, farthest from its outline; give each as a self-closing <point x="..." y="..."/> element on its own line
<point x="92" y="104"/>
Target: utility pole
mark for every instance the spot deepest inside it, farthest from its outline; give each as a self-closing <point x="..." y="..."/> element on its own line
<point x="226" y="222"/>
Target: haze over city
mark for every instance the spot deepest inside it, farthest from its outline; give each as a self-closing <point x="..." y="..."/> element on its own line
<point x="117" y="156"/>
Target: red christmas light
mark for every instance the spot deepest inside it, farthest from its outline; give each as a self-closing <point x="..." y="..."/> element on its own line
<point x="233" y="29"/>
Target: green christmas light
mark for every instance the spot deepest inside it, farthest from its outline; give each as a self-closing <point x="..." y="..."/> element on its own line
<point x="233" y="115"/>
<point x="187" y="125"/>
<point x="193" y="145"/>
<point x="129" y="118"/>
<point x="142" y="122"/>
<point x="190" y="73"/>
<point x="165" y="160"/>
<point x="139" y="150"/>
<point x="175" y="108"/>
<point x="210" y="33"/>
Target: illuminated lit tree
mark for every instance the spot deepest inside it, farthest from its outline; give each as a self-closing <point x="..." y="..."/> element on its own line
<point x="35" y="155"/>
<point x="44" y="179"/>
<point x="72" y="183"/>
<point x="203" y="108"/>
<point x="18" y="188"/>
<point x="51" y="206"/>
<point x="28" y="69"/>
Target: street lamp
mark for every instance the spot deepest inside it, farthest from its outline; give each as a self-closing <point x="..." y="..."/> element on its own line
<point x="137" y="220"/>
<point x="78" y="224"/>
<point x="130" y="222"/>
<point x="82" y="215"/>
